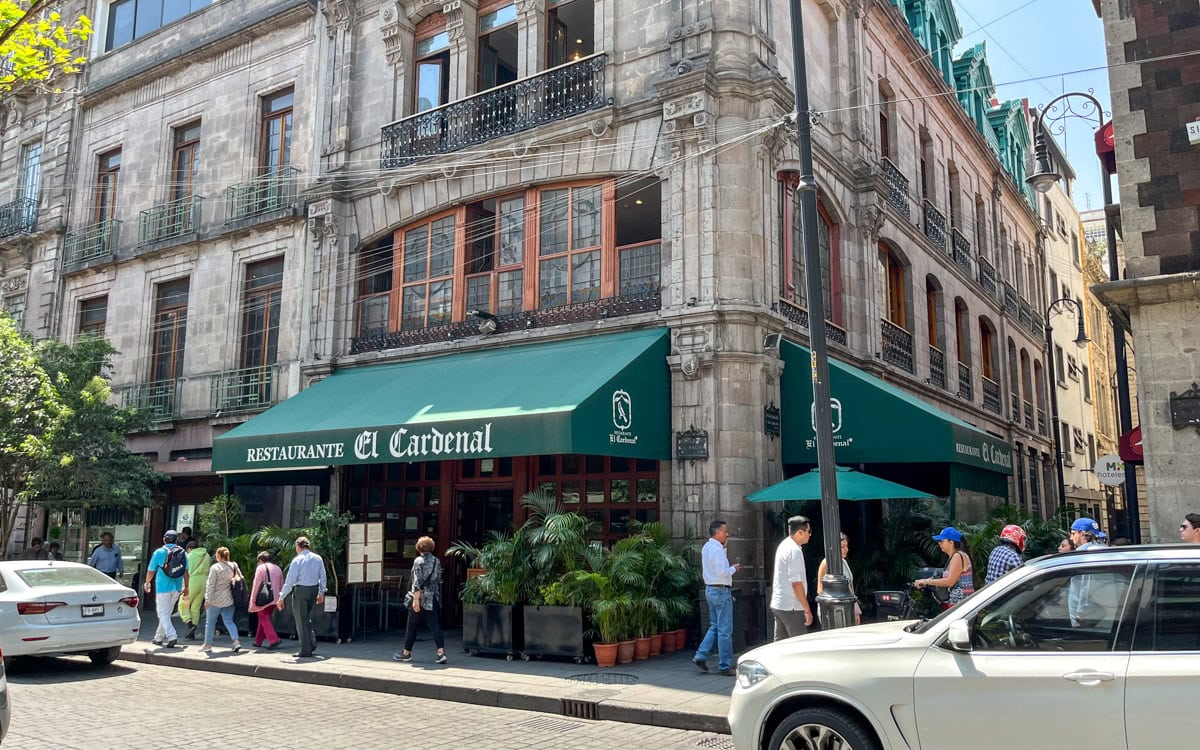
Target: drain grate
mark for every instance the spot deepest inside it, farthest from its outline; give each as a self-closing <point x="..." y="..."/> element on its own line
<point x="547" y="724"/>
<point x="715" y="742"/>
<point x="581" y="709"/>
<point x="604" y="678"/>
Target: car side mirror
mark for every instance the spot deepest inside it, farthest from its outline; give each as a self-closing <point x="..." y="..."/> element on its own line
<point x="959" y="635"/>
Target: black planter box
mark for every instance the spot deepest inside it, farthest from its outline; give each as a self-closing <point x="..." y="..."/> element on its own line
<point x="325" y="623"/>
<point x="492" y="629"/>
<point x="555" y="632"/>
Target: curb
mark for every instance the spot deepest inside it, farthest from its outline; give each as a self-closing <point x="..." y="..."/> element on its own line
<point x="626" y="713"/>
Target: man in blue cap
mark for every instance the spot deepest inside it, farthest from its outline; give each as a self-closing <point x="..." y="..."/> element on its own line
<point x="1085" y="534"/>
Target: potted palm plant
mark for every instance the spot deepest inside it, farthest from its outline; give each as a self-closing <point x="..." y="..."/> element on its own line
<point x="557" y="542"/>
<point x="492" y="600"/>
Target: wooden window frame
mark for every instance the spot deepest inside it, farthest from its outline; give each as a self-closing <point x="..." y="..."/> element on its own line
<point x="430" y="27"/>
<point x="173" y="317"/>
<point x="90" y="304"/>
<point x="366" y="275"/>
<point x="108" y="180"/>
<point x="895" y="287"/>
<point x="987" y="351"/>
<point x="638" y="470"/>
<point x="498" y="269"/>
<point x="183" y="181"/>
<point x="962" y="332"/>
<point x="285" y="117"/>
<point x="454" y="277"/>
<point x="270" y="296"/>
<point x="791" y="255"/>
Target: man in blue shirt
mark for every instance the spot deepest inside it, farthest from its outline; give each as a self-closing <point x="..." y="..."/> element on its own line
<point x="106" y="558"/>
<point x="167" y="588"/>
<point x="718" y="579"/>
<point x="305" y="583"/>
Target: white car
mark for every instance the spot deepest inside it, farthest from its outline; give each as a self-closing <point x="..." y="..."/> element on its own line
<point x="53" y="607"/>
<point x="1093" y="649"/>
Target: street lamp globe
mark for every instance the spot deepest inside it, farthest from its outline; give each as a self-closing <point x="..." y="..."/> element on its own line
<point x="1043" y="181"/>
<point x="1081" y="337"/>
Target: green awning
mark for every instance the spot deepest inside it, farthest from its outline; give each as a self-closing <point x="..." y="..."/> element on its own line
<point x="603" y="395"/>
<point x="877" y="423"/>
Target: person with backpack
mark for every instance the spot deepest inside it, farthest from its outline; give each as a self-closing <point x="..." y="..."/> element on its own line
<point x="168" y="575"/>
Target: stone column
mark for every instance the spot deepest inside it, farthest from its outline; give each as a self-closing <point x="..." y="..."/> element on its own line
<point x="399" y="49"/>
<point x="531" y="37"/>
<point x="462" y="24"/>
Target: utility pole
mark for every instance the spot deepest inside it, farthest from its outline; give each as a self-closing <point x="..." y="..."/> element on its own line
<point x="837" y="603"/>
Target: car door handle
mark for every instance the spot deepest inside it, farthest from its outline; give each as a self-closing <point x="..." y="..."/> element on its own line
<point x="1088" y="677"/>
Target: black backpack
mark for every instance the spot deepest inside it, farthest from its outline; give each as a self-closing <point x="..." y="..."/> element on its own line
<point x="176" y="564"/>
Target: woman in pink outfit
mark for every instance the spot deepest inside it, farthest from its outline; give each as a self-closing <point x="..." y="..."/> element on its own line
<point x="266" y="573"/>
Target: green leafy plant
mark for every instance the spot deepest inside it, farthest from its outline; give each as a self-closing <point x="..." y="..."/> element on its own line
<point x="328" y="533"/>
<point x="220" y="520"/>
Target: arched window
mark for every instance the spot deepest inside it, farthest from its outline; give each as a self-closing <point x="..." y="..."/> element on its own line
<point x="933" y="312"/>
<point x="989" y="363"/>
<point x="895" y="288"/>
<point x="792" y="252"/>
<point x="962" y="325"/>
<point x="1027" y="387"/>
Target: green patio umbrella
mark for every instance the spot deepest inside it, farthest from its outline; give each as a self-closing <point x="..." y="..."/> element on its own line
<point x="851" y="484"/>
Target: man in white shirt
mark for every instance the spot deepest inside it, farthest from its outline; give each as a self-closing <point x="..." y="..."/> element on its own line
<point x="789" y="584"/>
<point x="718" y="580"/>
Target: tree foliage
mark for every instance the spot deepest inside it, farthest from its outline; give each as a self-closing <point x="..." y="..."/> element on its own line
<point x="88" y="463"/>
<point x="38" y="46"/>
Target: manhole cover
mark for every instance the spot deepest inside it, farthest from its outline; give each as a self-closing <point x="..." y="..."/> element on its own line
<point x="546" y="724"/>
<point x="715" y="742"/>
<point x="604" y="678"/>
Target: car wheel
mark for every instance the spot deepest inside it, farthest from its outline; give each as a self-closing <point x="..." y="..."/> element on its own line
<point x="821" y="729"/>
<point x="102" y="657"/>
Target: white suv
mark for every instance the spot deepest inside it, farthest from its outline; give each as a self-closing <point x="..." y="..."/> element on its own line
<point x="1095" y="649"/>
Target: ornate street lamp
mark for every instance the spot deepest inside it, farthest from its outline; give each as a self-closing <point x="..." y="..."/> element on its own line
<point x="1081" y="340"/>
<point x="1042" y="181"/>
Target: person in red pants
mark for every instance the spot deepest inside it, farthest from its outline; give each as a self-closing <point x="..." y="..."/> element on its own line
<point x="268" y="580"/>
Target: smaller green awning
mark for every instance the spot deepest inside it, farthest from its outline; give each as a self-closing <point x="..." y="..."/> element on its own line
<point x="851" y="485"/>
<point x="606" y="395"/>
<point x="877" y="423"/>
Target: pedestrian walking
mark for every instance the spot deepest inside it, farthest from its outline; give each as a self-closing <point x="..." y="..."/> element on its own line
<point x="55" y="551"/>
<point x="106" y="558"/>
<point x="789" y="582"/>
<point x="305" y="583"/>
<point x="185" y="537"/>
<point x="958" y="577"/>
<point x="167" y="574"/>
<point x="1189" y="530"/>
<point x="1006" y="555"/>
<point x="821" y="570"/>
<point x="718" y="584"/>
<point x="424" y="599"/>
<point x="1086" y="534"/>
<point x="268" y="579"/>
<point x="223" y="576"/>
<point x="191" y="604"/>
<point x="35" y="551"/>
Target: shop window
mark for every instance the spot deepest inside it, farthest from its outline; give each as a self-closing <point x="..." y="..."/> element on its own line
<point x="498" y="43"/>
<point x="406" y="498"/>
<point x="570" y="30"/>
<point x="433" y="63"/>
<point x="374" y="287"/>
<point x="610" y="491"/>
<point x="428" y="274"/>
<point x="569" y="245"/>
<point x="792" y="252"/>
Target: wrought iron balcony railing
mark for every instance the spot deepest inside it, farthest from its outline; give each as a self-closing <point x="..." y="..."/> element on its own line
<point x="262" y="195"/>
<point x="553" y="95"/>
<point x="987" y="276"/>
<point x="1025" y="315"/>
<point x="18" y="217"/>
<point x="961" y="250"/>
<point x="966" y="387"/>
<point x="597" y="309"/>
<point x="897" y="188"/>
<point x="1015" y="401"/>
<point x="799" y="316"/>
<point x="1041" y="421"/>
<point x="937" y="367"/>
<point x="1010" y="298"/>
<point x="935" y="225"/>
<point x="1037" y="326"/>
<point x="897" y="345"/>
<point x="991" y="395"/>
<point x="169" y="221"/>
<point x="158" y="398"/>
<point x="1029" y="416"/>
<point x="90" y="243"/>
<point x="242" y="390"/>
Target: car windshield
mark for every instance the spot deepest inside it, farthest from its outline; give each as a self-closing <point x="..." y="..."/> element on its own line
<point x="36" y="578"/>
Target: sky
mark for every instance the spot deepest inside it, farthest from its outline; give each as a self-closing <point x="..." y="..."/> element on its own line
<point x="1046" y="40"/>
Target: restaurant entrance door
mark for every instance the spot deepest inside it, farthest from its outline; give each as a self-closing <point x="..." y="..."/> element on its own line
<point x="476" y="512"/>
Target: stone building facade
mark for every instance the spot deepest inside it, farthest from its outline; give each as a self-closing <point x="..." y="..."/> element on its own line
<point x="1153" y="103"/>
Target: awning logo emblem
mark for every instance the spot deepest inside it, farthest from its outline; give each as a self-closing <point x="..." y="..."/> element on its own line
<point x="622" y="410"/>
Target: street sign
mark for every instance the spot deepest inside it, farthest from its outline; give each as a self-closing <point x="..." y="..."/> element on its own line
<point x="1110" y="470"/>
<point x="1193" y="131"/>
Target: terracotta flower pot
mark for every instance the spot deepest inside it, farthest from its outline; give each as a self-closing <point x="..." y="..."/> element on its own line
<point x="641" y="649"/>
<point x="656" y="644"/>
<point x="668" y="641"/>
<point x="681" y="640"/>
<point x="606" y="654"/>
<point x="625" y="652"/>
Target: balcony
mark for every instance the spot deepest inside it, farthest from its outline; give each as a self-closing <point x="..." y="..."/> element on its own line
<point x="935" y="225"/>
<point x="798" y="315"/>
<point x="1026" y="315"/>
<point x="966" y="389"/>
<point x="169" y="221"/>
<point x="247" y="389"/>
<point x="597" y="309"/>
<point x="1010" y="298"/>
<point x="897" y="346"/>
<point x="897" y="188"/>
<point x="961" y="250"/>
<point x="1041" y="421"/>
<point x="1037" y="326"/>
<point x="991" y="395"/>
<point x="1029" y="416"/>
<point x="18" y="217"/>
<point x="97" y="241"/>
<point x="553" y="95"/>
<point x="937" y="367"/>
<point x="987" y="277"/>
<point x="158" y="398"/>
<point x="262" y="195"/>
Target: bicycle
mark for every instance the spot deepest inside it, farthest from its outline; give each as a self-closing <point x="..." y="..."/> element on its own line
<point x="908" y="604"/>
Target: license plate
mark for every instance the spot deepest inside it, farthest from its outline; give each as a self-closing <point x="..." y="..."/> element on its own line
<point x="93" y="610"/>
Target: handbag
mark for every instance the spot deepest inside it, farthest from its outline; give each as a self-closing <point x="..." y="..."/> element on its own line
<point x="265" y="596"/>
<point x="237" y="587"/>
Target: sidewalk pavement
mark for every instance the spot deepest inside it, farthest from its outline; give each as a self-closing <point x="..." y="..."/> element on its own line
<point x="664" y="691"/>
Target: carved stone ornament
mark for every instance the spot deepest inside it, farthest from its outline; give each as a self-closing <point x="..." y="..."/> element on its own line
<point x="525" y="7"/>
<point x="13" y="285"/>
<point x="395" y="32"/>
<point x="339" y="15"/>
<point x="684" y="106"/>
<point x="322" y="228"/>
<point x="870" y="219"/>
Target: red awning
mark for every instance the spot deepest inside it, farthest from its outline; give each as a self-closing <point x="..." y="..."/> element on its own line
<point x="1130" y="446"/>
